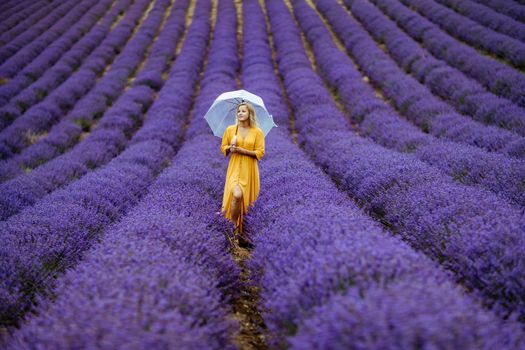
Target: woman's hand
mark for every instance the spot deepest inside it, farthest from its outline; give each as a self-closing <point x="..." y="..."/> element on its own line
<point x="235" y="149"/>
<point x="240" y="150"/>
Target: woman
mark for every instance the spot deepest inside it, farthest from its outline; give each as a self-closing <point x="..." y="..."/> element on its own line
<point x="245" y="142"/>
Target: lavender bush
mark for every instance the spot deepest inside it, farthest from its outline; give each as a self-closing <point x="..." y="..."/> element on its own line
<point x="34" y="40"/>
<point x="314" y="249"/>
<point x="509" y="8"/>
<point x="385" y="220"/>
<point x="82" y="210"/>
<point x="469" y="31"/>
<point x="19" y="18"/>
<point x="465" y="94"/>
<point x="64" y="135"/>
<point x="33" y="82"/>
<point x="487" y="17"/>
<point x="46" y="113"/>
<point x="177" y="238"/>
<point x="468" y="230"/>
<point x="414" y="100"/>
<point x="101" y="146"/>
<point x="10" y="8"/>
<point x="163" y="52"/>
<point x="379" y="121"/>
<point x="499" y="78"/>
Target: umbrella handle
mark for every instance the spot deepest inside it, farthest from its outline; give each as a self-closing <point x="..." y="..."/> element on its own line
<point x="235" y="137"/>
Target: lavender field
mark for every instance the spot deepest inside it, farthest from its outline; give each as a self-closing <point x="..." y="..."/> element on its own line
<point x="391" y="212"/>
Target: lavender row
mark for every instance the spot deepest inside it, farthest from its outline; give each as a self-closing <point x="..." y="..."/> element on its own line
<point x="57" y="48"/>
<point x="107" y="139"/>
<point x="174" y="240"/>
<point x="29" y="52"/>
<point x="219" y="76"/>
<point x="377" y="120"/>
<point x="327" y="277"/>
<point x="21" y="16"/>
<point x="162" y="54"/>
<point x="467" y="229"/>
<point x="10" y="8"/>
<point x="511" y="50"/>
<point x="85" y="114"/>
<point x="487" y="17"/>
<point x="147" y="285"/>
<point x="466" y="95"/>
<point x="43" y="115"/>
<point x="34" y="40"/>
<point x="307" y="258"/>
<point x="497" y="77"/>
<point x="52" y="235"/>
<point x="23" y="19"/>
<point x="110" y="85"/>
<point x="43" y="78"/>
<point x="101" y="146"/>
<point x="11" y="5"/>
<point x="414" y="100"/>
<point x="509" y="8"/>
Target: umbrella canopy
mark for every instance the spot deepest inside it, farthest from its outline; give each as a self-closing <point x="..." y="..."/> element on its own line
<point x="222" y="112"/>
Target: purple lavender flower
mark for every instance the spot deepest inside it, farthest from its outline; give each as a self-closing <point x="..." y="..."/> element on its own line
<point x="451" y="223"/>
<point x="497" y="77"/>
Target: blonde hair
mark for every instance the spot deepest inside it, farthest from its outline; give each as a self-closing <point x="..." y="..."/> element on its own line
<point x="251" y="112"/>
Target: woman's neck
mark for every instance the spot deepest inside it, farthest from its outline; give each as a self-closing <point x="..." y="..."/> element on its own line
<point x="244" y="124"/>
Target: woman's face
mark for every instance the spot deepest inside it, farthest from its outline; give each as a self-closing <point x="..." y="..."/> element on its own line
<point x="242" y="113"/>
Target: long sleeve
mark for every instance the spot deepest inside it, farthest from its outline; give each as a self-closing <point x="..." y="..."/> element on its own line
<point x="225" y="142"/>
<point x="259" y="144"/>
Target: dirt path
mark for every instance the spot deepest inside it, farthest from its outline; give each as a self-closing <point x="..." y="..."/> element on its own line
<point x="252" y="327"/>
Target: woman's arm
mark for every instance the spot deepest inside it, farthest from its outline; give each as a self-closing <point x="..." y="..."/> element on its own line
<point x="244" y="151"/>
<point x="259" y="144"/>
<point x="258" y="151"/>
<point x="225" y="145"/>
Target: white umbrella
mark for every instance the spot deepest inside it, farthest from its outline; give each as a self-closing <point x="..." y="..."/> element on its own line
<point x="223" y="111"/>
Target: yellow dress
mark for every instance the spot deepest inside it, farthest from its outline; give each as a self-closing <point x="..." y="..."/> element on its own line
<point x="242" y="170"/>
